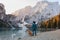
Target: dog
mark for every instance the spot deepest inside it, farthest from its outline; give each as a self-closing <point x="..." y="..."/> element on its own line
<point x="29" y="32"/>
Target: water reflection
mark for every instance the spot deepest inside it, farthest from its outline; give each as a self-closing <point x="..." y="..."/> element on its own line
<point x="12" y="34"/>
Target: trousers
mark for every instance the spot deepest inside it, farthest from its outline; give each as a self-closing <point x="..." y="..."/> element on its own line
<point x="34" y="33"/>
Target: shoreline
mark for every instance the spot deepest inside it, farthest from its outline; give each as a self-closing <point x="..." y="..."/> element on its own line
<point x="52" y="35"/>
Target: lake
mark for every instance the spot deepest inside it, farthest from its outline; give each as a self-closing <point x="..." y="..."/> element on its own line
<point x="13" y="34"/>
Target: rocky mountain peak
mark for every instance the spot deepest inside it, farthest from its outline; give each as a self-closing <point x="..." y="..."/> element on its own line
<point x="42" y="8"/>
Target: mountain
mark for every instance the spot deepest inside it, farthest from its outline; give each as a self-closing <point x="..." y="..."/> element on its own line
<point x="43" y="10"/>
<point x="4" y="25"/>
<point x="2" y="11"/>
<point x="22" y="12"/>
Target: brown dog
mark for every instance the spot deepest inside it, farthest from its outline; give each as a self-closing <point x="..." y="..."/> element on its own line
<point x="29" y="32"/>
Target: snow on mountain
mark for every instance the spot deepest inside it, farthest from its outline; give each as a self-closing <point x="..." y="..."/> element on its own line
<point x="22" y="12"/>
<point x="43" y="10"/>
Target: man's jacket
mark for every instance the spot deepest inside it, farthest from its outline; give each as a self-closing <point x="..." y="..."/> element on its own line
<point x="34" y="26"/>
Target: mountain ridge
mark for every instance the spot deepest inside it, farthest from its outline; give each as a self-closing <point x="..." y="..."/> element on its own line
<point x="43" y="9"/>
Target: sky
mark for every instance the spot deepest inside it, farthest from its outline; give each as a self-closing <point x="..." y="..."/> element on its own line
<point x="13" y="5"/>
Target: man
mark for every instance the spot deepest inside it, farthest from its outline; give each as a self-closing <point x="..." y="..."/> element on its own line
<point x="34" y="28"/>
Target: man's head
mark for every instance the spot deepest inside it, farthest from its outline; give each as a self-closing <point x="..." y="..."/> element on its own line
<point x="34" y="22"/>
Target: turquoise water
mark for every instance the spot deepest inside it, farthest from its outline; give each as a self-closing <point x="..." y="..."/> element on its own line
<point x="12" y="34"/>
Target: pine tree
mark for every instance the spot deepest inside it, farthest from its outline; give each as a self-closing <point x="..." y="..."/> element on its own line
<point x="59" y="22"/>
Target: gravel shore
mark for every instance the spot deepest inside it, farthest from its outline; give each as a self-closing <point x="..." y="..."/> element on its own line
<point x="52" y="35"/>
